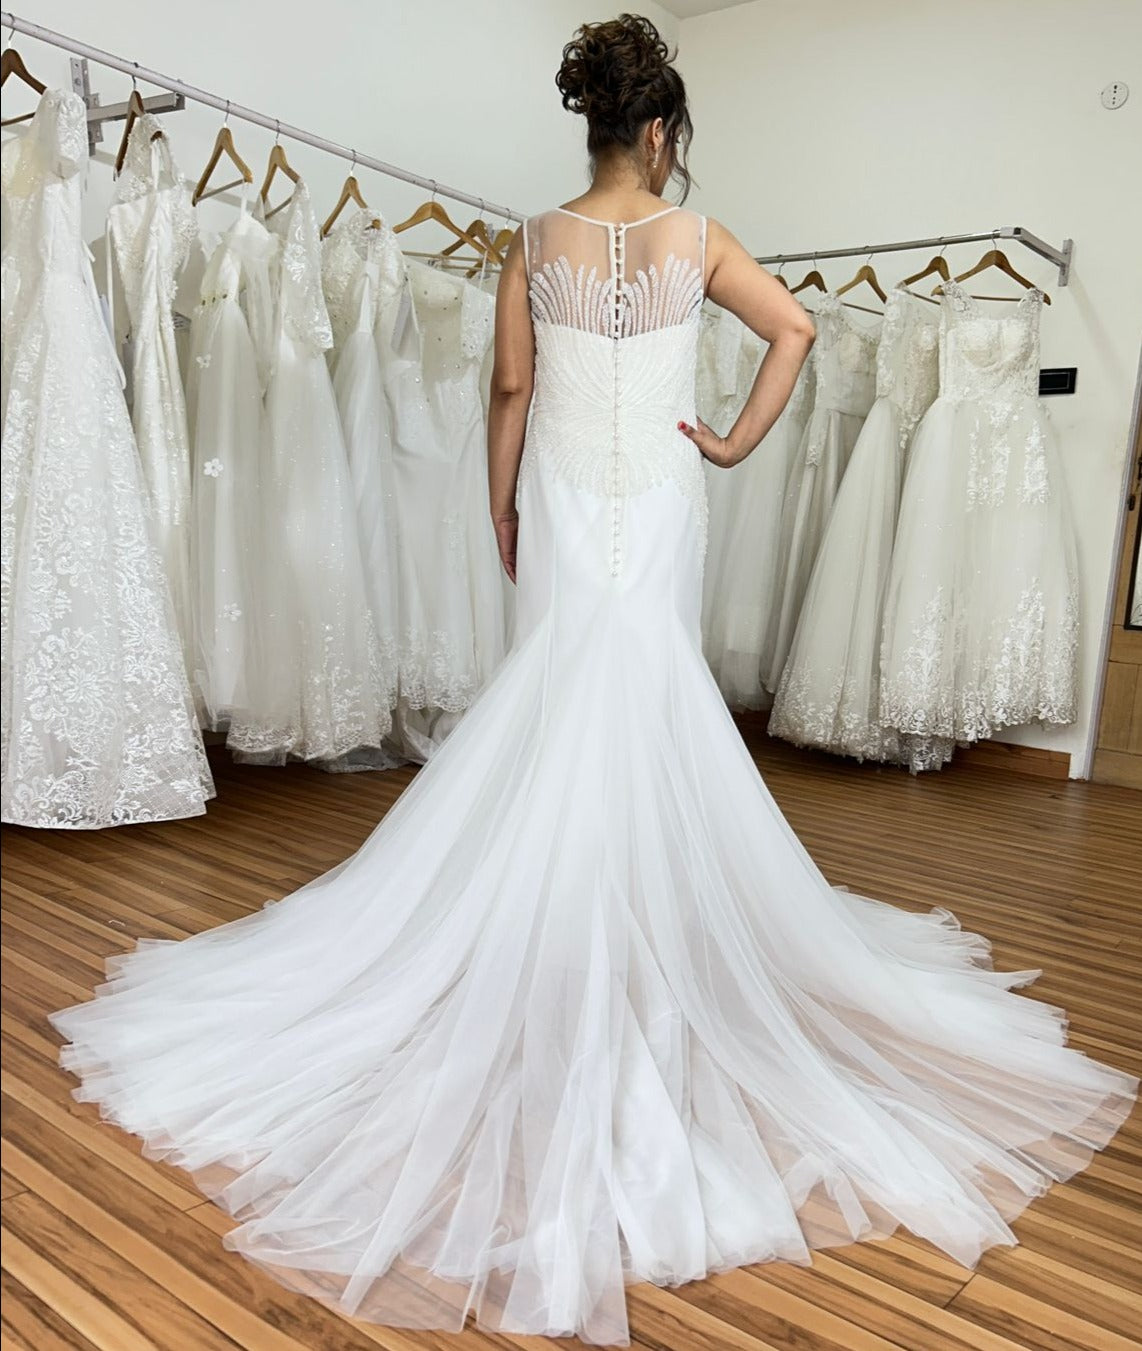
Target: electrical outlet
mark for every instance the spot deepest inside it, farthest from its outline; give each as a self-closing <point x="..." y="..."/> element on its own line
<point x="1115" y="94"/>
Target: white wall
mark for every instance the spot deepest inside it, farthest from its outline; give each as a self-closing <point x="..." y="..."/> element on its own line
<point x="827" y="123"/>
<point x="458" y="92"/>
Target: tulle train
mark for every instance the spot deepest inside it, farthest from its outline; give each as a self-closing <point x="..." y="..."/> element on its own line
<point x="583" y="1012"/>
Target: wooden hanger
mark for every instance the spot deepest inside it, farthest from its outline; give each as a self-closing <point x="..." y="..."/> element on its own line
<point x="1000" y="261"/>
<point x="813" y="278"/>
<point x="276" y="163"/>
<point x="503" y="238"/>
<point x="937" y="264"/>
<point x="865" y="273"/>
<point x="350" y="192"/>
<point x="432" y="210"/>
<point x="12" y="63"/>
<point x="135" y="109"/>
<point x="223" y="145"/>
<point x="479" y="231"/>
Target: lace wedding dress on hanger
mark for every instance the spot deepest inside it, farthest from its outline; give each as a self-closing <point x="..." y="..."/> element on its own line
<point x="981" y="620"/>
<point x="829" y="695"/>
<point x="317" y="689"/>
<point x="231" y="344"/>
<point x="582" y="1011"/>
<point x="151" y="225"/>
<point x="844" y="367"/>
<point x="452" y="597"/>
<point x="357" y="260"/>
<point x="742" y="562"/>
<point x="98" y="723"/>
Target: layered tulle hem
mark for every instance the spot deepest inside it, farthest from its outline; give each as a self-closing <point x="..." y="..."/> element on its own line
<point x="583" y="1012"/>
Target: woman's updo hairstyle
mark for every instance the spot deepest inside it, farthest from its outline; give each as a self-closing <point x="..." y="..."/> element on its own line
<point x="618" y="75"/>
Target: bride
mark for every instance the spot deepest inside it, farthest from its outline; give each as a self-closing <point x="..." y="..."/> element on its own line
<point x="582" y="1011"/>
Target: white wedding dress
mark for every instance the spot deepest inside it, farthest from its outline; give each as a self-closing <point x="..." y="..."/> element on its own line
<point x="151" y="225"/>
<point x="316" y="686"/>
<point x="98" y="726"/>
<point x="358" y="262"/>
<point x="743" y="563"/>
<point x="582" y="1011"/>
<point x="453" y="620"/>
<point x="981" y="619"/>
<point x="829" y="694"/>
<point x="844" y="369"/>
<point x="231" y="345"/>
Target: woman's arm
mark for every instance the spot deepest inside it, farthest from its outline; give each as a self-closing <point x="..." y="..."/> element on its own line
<point x="513" y="375"/>
<point x="760" y="301"/>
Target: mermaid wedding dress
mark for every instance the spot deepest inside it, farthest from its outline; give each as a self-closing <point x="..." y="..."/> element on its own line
<point x="582" y="1011"/>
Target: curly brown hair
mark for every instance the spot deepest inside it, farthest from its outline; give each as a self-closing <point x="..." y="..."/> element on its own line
<point x="619" y="75"/>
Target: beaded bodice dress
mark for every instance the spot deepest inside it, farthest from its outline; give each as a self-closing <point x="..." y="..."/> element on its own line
<point x="616" y="314"/>
<point x="581" y="1011"/>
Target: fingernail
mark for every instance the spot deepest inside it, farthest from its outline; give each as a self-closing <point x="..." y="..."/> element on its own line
<point x="681" y="426"/>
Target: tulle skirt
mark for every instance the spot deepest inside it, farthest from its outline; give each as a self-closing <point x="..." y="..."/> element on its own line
<point x="981" y="617"/>
<point x="814" y="479"/>
<point x="829" y="694"/>
<point x="365" y="421"/>
<point x="743" y="564"/>
<point x="582" y="1011"/>
<point x="452" y="599"/>
<point x="225" y="404"/>
<point x="315" y="684"/>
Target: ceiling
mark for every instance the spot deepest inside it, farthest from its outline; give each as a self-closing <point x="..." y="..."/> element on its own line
<point x="690" y="9"/>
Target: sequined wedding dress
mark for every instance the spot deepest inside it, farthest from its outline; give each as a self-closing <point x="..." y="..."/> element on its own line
<point x="582" y="1011"/>
<point x="98" y="723"/>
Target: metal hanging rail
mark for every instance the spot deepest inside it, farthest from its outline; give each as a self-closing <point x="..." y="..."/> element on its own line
<point x="1060" y="257"/>
<point x="148" y="76"/>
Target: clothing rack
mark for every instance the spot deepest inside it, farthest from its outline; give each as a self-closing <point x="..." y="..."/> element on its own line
<point x="1060" y="257"/>
<point x="231" y="109"/>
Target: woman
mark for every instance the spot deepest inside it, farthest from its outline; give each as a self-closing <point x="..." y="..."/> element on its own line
<point x="582" y="1011"/>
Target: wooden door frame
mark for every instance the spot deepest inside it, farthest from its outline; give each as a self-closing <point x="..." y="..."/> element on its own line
<point x="1112" y="619"/>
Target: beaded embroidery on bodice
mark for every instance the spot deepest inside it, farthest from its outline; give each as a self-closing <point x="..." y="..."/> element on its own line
<point x="161" y="236"/>
<point x="844" y="359"/>
<point x="907" y="359"/>
<point x="983" y="355"/>
<point x="616" y="313"/>
<point x="362" y="268"/>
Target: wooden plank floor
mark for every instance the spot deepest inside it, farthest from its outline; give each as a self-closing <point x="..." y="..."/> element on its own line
<point x="103" y="1249"/>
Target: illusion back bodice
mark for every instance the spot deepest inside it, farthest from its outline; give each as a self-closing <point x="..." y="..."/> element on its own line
<point x="615" y="310"/>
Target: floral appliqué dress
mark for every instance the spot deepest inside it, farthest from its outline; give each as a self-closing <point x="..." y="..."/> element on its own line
<point x="981" y="619"/>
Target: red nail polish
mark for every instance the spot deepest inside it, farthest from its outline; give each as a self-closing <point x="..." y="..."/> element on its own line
<point x="681" y="426"/>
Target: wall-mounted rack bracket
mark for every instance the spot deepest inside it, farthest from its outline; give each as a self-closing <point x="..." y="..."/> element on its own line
<point x="98" y="113"/>
<point x="1060" y="257"/>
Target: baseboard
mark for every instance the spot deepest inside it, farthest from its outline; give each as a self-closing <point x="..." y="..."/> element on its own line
<point x="1036" y="760"/>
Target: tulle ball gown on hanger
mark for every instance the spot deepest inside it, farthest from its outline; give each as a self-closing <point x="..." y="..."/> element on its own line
<point x="582" y="1011"/>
